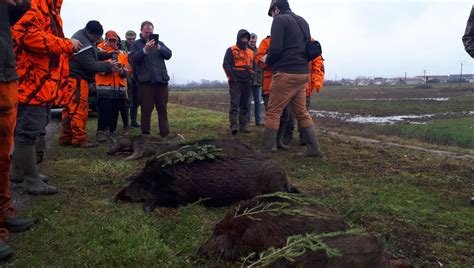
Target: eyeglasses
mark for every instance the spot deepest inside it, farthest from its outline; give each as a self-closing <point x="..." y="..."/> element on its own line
<point x="113" y="40"/>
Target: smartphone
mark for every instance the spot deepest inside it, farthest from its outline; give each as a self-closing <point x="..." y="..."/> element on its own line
<point x="155" y="37"/>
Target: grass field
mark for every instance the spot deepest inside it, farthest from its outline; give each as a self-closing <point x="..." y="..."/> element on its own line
<point x="450" y="122"/>
<point x="416" y="203"/>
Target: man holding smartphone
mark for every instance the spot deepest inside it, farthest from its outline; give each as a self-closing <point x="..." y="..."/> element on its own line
<point x="147" y="56"/>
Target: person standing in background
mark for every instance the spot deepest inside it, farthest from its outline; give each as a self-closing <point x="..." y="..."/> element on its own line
<point x="148" y="63"/>
<point x="132" y="89"/>
<point x="256" y="94"/>
<point x="238" y="66"/>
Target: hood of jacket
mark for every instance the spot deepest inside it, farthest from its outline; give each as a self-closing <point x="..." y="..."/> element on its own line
<point x="242" y="33"/>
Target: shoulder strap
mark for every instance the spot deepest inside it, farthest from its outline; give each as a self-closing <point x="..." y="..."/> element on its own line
<point x="299" y="26"/>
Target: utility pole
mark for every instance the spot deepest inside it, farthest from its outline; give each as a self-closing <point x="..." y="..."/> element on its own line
<point x="424" y="75"/>
<point x="405" y="78"/>
<point x="460" y="77"/>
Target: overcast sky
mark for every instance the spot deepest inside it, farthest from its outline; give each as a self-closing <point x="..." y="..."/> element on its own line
<point x="359" y="38"/>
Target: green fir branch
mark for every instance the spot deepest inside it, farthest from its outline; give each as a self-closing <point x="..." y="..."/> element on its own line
<point x="189" y="154"/>
<point x="296" y="246"/>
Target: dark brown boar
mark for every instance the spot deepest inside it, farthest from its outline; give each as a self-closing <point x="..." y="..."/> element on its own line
<point x="237" y="237"/>
<point x="236" y="176"/>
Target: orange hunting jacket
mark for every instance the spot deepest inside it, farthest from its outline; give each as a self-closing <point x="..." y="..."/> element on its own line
<point x="113" y="80"/>
<point x="42" y="54"/>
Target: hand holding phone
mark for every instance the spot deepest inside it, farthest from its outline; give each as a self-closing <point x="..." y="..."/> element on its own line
<point x="155" y="37"/>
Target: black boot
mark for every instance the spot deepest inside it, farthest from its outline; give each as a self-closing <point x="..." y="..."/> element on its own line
<point x="268" y="143"/>
<point x="5" y="251"/>
<point x="18" y="224"/>
<point x="312" y="144"/>
<point x="280" y="136"/>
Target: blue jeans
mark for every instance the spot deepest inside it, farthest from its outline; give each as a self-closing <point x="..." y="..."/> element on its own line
<point x="257" y="98"/>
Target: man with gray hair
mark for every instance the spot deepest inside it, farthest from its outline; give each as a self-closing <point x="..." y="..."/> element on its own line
<point x="130" y="37"/>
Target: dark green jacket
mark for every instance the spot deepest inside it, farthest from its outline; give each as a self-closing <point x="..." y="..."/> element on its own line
<point x="8" y="17"/>
<point x="86" y="65"/>
<point x="258" y="78"/>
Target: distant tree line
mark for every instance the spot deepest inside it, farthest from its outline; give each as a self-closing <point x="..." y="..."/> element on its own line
<point x="203" y="84"/>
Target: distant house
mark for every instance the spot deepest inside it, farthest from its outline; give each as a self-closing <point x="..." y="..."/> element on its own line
<point x="454" y="78"/>
<point x="415" y="81"/>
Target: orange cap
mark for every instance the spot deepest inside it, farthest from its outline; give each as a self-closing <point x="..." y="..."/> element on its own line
<point x="111" y="35"/>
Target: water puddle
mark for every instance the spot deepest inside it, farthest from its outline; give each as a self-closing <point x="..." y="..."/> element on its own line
<point x="383" y="120"/>
<point x="402" y="99"/>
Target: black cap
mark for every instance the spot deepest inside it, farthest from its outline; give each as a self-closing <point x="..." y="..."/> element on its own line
<point x="94" y="27"/>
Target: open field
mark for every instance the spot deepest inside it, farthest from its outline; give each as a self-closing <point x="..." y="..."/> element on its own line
<point x="443" y="113"/>
<point x="416" y="203"/>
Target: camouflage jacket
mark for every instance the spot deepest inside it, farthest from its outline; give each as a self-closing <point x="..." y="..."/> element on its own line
<point x="468" y="38"/>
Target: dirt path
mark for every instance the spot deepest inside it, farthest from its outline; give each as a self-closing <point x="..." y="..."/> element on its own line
<point x="439" y="153"/>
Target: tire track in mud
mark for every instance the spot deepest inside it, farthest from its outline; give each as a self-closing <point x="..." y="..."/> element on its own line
<point x="439" y="153"/>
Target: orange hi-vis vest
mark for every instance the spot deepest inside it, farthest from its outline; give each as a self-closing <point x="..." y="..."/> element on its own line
<point x="243" y="62"/>
<point x="42" y="54"/>
<point x="107" y="82"/>
<point x="316" y="81"/>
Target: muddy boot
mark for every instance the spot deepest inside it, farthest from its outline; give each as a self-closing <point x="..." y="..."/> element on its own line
<point x="233" y="129"/>
<point x="312" y="144"/>
<point x="279" y="138"/>
<point x="302" y="140"/>
<point x="17" y="224"/>
<point x="268" y="143"/>
<point x="40" y="149"/>
<point x="16" y="176"/>
<point x="244" y="129"/>
<point x="40" y="153"/>
<point x="101" y="136"/>
<point x="24" y="157"/>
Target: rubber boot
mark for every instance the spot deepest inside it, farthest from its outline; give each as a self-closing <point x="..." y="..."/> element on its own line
<point x="17" y="224"/>
<point x="5" y="251"/>
<point x="280" y="136"/>
<point x="24" y="157"/>
<point x="312" y="144"/>
<point x="16" y="176"/>
<point x="40" y="149"/>
<point x="268" y="143"/>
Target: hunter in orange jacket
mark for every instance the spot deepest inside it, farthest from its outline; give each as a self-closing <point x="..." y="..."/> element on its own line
<point x="42" y="63"/>
<point x="112" y="90"/>
<point x="267" y="72"/>
<point x="42" y="53"/>
<point x="114" y="80"/>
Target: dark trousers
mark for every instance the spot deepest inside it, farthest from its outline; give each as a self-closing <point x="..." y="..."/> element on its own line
<point x="133" y="102"/>
<point x="256" y="96"/>
<point x="239" y="103"/>
<point x="288" y="136"/>
<point x="152" y="96"/>
<point x="109" y="110"/>
<point x="31" y="123"/>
